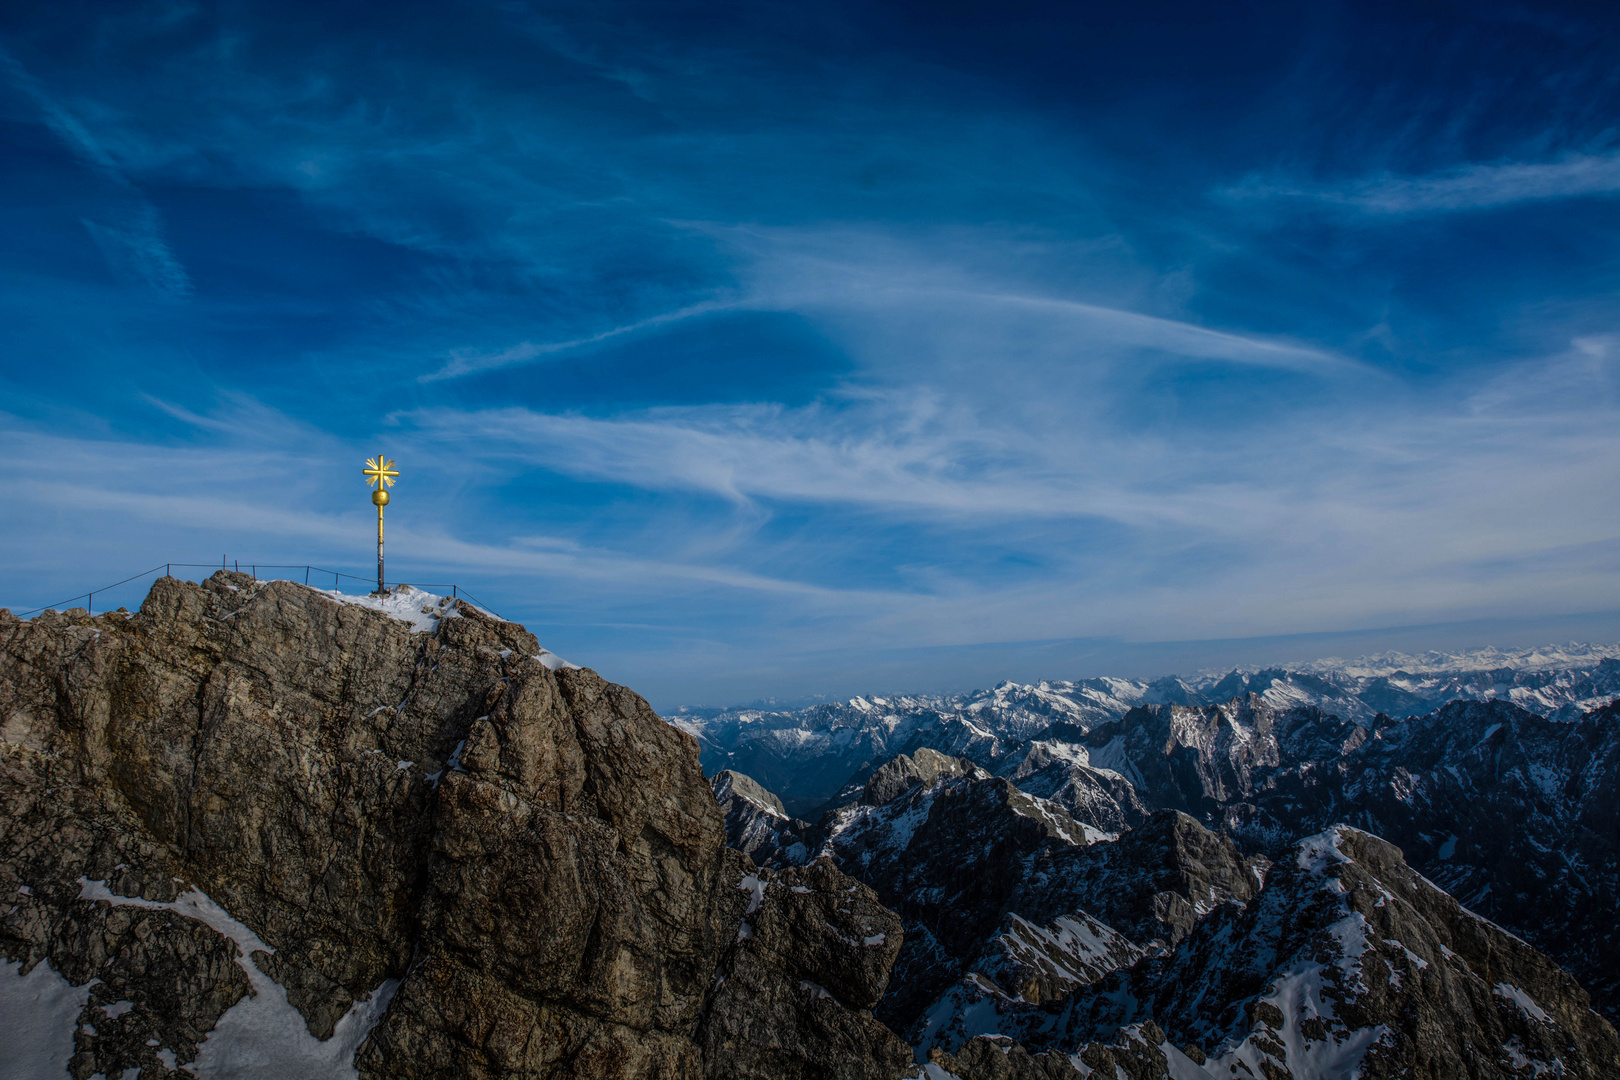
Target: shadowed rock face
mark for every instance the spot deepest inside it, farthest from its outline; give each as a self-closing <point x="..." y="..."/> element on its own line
<point x="1036" y="949"/>
<point x="1347" y="963"/>
<point x="528" y="860"/>
<point x="756" y="824"/>
<point x="997" y="885"/>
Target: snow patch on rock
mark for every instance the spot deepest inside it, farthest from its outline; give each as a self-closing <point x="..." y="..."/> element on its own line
<point x="262" y="1035"/>
<point x="41" y="1012"/>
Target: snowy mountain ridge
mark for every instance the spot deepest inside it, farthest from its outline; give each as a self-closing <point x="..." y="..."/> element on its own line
<point x="806" y="756"/>
<point x="1039" y="948"/>
<point x="1573" y="654"/>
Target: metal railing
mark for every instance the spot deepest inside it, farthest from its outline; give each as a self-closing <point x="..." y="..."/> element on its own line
<point x="456" y="591"/>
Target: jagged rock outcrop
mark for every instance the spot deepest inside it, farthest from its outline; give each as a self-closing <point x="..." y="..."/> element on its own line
<point x="757" y="825"/>
<point x="949" y="854"/>
<point x="1033" y="954"/>
<point x="899" y="775"/>
<point x="1153" y="884"/>
<point x="1073" y="915"/>
<point x="1191" y="758"/>
<point x="450" y="853"/>
<point x="1347" y="963"/>
<point x="1055" y="765"/>
<point x="793" y="998"/>
<point x="1511" y="811"/>
<point x="1003" y="892"/>
<point x="728" y="785"/>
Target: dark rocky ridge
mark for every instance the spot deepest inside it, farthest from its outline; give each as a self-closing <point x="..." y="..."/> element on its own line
<point x="1347" y="963"/>
<point x="995" y="884"/>
<point x="1516" y="814"/>
<point x="1513" y="812"/>
<point x="527" y="860"/>
<point x="1169" y="953"/>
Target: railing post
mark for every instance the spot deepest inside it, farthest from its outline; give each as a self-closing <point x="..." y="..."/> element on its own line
<point x="90" y="604"/>
<point x="306" y="575"/>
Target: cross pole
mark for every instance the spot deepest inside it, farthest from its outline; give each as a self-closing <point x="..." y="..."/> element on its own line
<point x="380" y="474"/>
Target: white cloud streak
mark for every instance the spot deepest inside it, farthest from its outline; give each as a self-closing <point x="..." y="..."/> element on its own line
<point x="471" y="362"/>
<point x="1467" y="187"/>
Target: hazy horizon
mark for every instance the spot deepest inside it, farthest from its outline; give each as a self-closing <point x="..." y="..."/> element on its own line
<point x="943" y="670"/>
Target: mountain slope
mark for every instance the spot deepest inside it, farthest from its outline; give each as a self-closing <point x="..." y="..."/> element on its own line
<point x="1510" y="810"/>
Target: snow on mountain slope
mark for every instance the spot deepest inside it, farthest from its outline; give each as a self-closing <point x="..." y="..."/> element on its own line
<point x="1540" y="658"/>
<point x="1506" y="796"/>
<point x="1511" y="812"/>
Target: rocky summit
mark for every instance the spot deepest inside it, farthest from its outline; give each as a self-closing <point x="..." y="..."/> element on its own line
<point x="260" y="830"/>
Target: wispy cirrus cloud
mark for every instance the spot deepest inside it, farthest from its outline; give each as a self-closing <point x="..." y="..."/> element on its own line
<point x="1468" y="187"/>
<point x="471" y="362"/>
<point x="282" y="503"/>
<point x="134" y="246"/>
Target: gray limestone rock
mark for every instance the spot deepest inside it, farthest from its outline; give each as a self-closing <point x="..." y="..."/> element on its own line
<point x="794" y="995"/>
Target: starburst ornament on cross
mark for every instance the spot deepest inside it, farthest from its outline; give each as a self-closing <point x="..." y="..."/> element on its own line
<point x="380" y="474"/>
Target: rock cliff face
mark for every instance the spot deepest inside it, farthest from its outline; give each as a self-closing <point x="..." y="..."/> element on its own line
<point x="256" y="823"/>
<point x="756" y="824"/>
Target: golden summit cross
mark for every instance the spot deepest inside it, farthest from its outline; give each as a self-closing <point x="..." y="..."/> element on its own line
<point x="380" y="474"/>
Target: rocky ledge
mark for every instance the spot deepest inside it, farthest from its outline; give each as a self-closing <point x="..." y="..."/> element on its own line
<point x="259" y="829"/>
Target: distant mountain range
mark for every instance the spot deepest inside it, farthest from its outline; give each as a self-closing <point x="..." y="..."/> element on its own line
<point x="806" y="756"/>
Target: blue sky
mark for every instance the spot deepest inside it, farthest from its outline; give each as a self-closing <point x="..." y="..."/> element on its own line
<point x="769" y="349"/>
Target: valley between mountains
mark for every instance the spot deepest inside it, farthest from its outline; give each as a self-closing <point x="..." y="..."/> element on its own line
<point x="261" y="830"/>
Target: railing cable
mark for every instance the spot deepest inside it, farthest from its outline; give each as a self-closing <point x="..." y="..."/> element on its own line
<point x="456" y="591"/>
